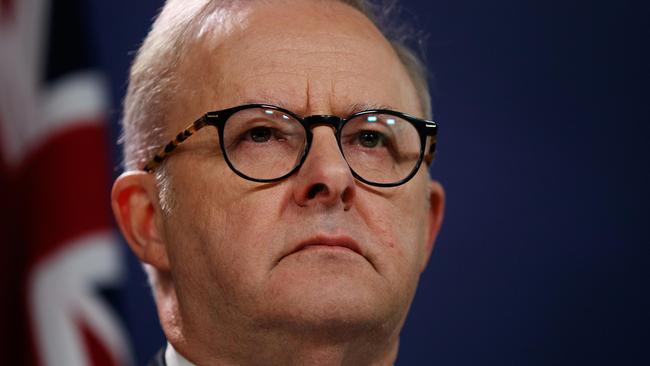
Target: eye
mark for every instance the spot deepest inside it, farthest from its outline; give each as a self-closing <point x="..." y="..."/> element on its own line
<point x="260" y="134"/>
<point x="371" y="138"/>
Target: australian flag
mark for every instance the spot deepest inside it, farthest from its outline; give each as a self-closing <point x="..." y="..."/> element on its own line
<point x="59" y="252"/>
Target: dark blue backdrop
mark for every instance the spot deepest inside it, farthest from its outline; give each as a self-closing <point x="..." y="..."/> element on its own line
<point x="544" y="116"/>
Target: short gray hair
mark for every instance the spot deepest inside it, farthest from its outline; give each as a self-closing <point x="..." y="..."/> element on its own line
<point x="152" y="80"/>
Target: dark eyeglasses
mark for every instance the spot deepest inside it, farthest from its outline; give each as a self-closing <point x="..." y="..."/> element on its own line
<point x="265" y="143"/>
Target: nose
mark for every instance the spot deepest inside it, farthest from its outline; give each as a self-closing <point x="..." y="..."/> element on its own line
<point x="325" y="177"/>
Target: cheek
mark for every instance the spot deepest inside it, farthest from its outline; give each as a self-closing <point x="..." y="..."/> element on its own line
<point x="193" y="244"/>
<point x="400" y="233"/>
<point x="223" y="237"/>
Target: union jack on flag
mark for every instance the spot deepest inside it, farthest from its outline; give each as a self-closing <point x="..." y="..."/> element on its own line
<point x="59" y="254"/>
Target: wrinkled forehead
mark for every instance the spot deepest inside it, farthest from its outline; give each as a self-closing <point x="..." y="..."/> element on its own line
<point x="307" y="56"/>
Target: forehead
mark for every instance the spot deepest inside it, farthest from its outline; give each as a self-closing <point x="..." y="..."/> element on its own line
<point x="308" y="56"/>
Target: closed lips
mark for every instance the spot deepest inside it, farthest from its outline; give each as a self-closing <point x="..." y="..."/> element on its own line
<point x="343" y="242"/>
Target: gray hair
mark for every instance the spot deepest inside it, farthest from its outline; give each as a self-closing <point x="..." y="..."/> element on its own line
<point x="152" y="81"/>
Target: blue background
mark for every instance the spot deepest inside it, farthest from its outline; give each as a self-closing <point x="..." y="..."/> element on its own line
<point x="544" y="153"/>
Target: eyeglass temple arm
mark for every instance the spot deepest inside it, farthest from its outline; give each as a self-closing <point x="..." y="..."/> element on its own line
<point x="431" y="130"/>
<point x="173" y="144"/>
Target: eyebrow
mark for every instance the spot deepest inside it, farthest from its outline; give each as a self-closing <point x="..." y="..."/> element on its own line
<point x="360" y="107"/>
<point x="271" y="101"/>
<point x="347" y="111"/>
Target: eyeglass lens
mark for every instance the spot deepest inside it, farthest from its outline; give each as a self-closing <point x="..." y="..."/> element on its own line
<point x="264" y="143"/>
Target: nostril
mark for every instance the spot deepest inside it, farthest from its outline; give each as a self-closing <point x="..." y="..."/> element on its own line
<point x="316" y="189"/>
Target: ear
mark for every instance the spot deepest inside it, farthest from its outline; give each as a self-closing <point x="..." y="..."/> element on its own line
<point x="434" y="220"/>
<point x="134" y="199"/>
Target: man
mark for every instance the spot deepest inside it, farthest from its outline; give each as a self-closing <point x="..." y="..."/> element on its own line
<point x="277" y="229"/>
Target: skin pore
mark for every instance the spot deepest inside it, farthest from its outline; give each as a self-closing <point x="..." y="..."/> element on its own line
<point x="258" y="274"/>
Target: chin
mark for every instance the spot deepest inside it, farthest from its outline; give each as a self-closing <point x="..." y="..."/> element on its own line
<point x="333" y="298"/>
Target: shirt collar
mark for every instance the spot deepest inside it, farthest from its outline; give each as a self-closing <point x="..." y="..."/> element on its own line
<point x="173" y="358"/>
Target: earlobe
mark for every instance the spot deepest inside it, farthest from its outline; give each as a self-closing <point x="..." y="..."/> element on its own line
<point x="134" y="202"/>
<point x="434" y="220"/>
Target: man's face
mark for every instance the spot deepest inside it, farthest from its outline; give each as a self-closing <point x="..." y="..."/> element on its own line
<point x="318" y="250"/>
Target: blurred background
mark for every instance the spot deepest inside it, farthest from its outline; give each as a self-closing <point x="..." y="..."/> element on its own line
<point x="544" y="151"/>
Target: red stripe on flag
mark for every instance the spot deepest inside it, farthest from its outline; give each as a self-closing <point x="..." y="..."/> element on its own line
<point x="65" y="189"/>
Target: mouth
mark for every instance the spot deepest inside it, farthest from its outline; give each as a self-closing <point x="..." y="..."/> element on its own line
<point x="328" y="243"/>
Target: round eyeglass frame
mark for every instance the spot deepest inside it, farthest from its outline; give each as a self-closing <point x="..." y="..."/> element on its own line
<point x="218" y="119"/>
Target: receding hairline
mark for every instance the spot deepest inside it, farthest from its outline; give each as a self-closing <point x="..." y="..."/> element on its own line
<point x="219" y="40"/>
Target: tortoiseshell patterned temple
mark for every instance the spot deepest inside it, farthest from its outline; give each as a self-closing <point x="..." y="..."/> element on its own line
<point x="173" y="144"/>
